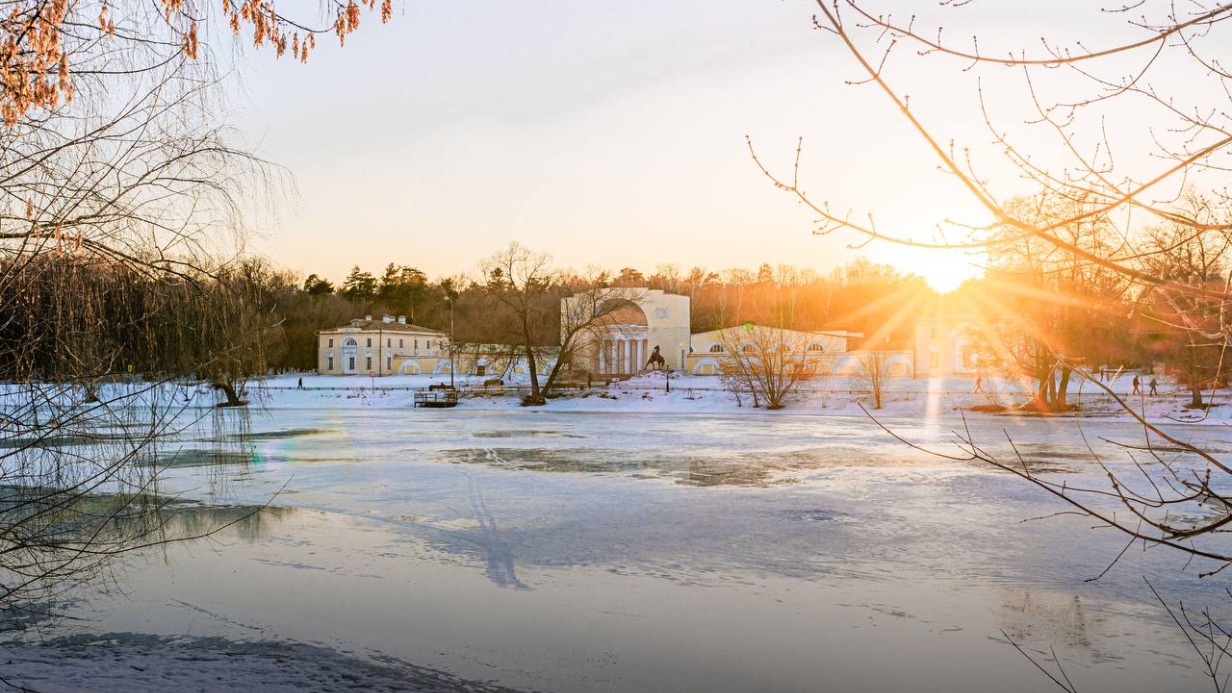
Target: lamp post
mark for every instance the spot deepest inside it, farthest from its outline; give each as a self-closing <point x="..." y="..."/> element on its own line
<point x="451" y="352"/>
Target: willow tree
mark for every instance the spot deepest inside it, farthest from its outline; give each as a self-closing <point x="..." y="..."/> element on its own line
<point x="116" y="177"/>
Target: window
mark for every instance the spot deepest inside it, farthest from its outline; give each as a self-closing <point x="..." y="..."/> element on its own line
<point x="350" y="363"/>
<point x="389" y="362"/>
<point x="429" y="343"/>
<point x="368" y="363"/>
<point x="748" y="348"/>
<point x="331" y="344"/>
<point x="369" y="341"/>
<point x="417" y="342"/>
<point x="716" y="348"/>
<point x="389" y="342"/>
<point x="481" y="369"/>
<point x="815" y="347"/>
<point x="400" y="344"/>
<point x="329" y="363"/>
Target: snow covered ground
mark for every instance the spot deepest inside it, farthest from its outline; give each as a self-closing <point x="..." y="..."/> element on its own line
<point x="836" y="396"/>
<point x="624" y="540"/>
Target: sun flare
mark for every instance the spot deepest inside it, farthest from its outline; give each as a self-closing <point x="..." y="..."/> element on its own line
<point x="943" y="270"/>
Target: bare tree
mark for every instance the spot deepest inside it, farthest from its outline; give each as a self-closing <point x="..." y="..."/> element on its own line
<point x="874" y="370"/>
<point x="767" y="363"/>
<point x="1188" y="332"/>
<point x="521" y="281"/>
<point x="1132" y="127"/>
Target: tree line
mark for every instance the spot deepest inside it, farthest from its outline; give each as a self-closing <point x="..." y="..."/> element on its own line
<point x="1041" y="312"/>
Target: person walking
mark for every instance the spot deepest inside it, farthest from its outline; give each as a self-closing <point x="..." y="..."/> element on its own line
<point x="1137" y="386"/>
<point x="300" y="384"/>
<point x="979" y="383"/>
<point x="1154" y="386"/>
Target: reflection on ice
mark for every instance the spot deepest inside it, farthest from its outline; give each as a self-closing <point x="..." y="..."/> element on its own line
<point x="1045" y="616"/>
<point x="498" y="552"/>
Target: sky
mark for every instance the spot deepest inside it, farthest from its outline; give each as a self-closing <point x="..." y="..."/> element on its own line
<point x="604" y="134"/>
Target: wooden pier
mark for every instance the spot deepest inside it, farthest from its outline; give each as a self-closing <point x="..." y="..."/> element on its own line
<point x="437" y="399"/>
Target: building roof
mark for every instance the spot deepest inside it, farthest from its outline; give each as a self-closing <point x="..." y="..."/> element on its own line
<point x="367" y="324"/>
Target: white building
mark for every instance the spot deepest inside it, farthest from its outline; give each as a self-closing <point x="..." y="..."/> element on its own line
<point x="384" y="347"/>
<point x="826" y="351"/>
<point x="631" y="323"/>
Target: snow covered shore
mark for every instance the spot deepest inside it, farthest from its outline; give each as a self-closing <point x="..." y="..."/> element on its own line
<point x="923" y="399"/>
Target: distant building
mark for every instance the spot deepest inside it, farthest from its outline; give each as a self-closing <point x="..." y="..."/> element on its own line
<point x="825" y="351"/>
<point x="381" y="347"/>
<point x="391" y="346"/>
<point x="624" y="325"/>
<point x="949" y="336"/>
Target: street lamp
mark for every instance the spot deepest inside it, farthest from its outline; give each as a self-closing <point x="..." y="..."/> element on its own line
<point x="452" y="366"/>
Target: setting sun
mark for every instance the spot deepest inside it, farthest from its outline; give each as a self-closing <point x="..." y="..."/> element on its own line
<point x="943" y="270"/>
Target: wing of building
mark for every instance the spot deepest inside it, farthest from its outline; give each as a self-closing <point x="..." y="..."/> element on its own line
<point x="381" y="347"/>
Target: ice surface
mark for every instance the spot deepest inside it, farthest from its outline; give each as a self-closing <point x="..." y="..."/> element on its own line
<point x="644" y="543"/>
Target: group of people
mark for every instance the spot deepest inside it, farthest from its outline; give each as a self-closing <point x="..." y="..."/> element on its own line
<point x="1154" y="385"/>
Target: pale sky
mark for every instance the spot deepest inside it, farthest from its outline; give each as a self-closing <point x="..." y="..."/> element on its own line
<point x="607" y="134"/>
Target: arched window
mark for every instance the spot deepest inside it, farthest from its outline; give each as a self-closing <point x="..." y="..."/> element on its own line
<point x="716" y="348"/>
<point x="816" y="347"/>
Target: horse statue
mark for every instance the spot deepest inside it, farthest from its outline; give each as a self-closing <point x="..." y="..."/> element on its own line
<point x="656" y="360"/>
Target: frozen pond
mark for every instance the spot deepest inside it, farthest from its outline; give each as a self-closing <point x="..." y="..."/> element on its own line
<point x="566" y="551"/>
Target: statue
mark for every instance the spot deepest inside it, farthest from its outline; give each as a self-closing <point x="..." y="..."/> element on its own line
<point x="656" y="360"/>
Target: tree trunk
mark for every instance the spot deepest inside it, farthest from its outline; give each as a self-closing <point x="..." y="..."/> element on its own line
<point x="536" y="397"/>
<point x="1040" y="401"/>
<point x="1060" y="402"/>
<point x="1195" y="394"/>
<point x="552" y="376"/>
<point x="233" y="397"/>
